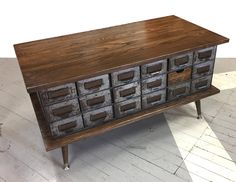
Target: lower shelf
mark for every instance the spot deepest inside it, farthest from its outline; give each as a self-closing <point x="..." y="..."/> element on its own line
<point x="51" y="143"/>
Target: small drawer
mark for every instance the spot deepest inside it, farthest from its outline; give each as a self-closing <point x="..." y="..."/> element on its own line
<point x="155" y="68"/>
<point x="203" y="55"/>
<point x="201" y="84"/>
<point x="58" y="93"/>
<point x="177" y="91"/>
<point x="125" y="76"/>
<point x="127" y="107"/>
<point x="97" y="100"/>
<point x="181" y="61"/>
<point x="153" y="84"/>
<point x="181" y="75"/>
<point x="98" y="116"/>
<point x="92" y="85"/>
<point x="62" y="110"/>
<point x="201" y="70"/>
<point x="154" y="98"/>
<point x="66" y="126"/>
<point x="126" y="91"/>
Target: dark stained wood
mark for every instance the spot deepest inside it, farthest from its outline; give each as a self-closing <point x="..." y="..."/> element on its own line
<point x="58" y="93"/>
<point x="59" y="60"/>
<point x="127" y="92"/>
<point x="155" y="83"/>
<point x="51" y="143"/>
<point x="93" y="84"/>
<point x="42" y="122"/>
<point x="153" y="99"/>
<point x="61" y="111"/>
<point x="127" y="107"/>
<point x="126" y="76"/>
<point x="205" y="55"/>
<point x="179" y="76"/>
<point x="198" y="107"/>
<point x="154" y="68"/>
<point x="65" y="155"/>
<point x="98" y="116"/>
<point x="96" y="100"/>
<point x="204" y="69"/>
<point x="67" y="126"/>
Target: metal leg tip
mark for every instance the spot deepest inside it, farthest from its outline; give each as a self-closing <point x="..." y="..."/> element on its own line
<point x="66" y="167"/>
<point x="199" y="117"/>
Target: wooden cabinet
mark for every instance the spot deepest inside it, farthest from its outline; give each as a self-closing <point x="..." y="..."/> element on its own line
<point x="88" y="83"/>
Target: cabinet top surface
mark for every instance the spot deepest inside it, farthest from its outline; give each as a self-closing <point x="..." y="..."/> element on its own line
<point x="49" y="62"/>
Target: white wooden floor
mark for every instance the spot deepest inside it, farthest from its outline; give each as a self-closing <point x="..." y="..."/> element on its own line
<point x="173" y="146"/>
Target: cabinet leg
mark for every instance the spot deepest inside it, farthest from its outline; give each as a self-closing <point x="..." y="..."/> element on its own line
<point x="198" y="107"/>
<point x="65" y="156"/>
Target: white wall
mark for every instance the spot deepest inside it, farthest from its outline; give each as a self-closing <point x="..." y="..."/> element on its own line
<point x="26" y="20"/>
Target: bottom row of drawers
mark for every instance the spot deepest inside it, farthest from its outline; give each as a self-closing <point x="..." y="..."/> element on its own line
<point x="95" y="117"/>
<point x="76" y="123"/>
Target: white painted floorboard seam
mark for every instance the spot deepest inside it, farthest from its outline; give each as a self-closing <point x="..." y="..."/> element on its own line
<point x="189" y="151"/>
<point x="28" y="166"/>
<point x="33" y="123"/>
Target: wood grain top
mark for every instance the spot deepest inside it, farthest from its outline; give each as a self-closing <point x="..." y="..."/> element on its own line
<point x="53" y="61"/>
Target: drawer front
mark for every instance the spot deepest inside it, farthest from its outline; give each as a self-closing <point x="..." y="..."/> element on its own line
<point x="177" y="91"/>
<point x="91" y="85"/>
<point x="127" y="107"/>
<point x="126" y="91"/>
<point x="58" y="93"/>
<point x="203" y="55"/>
<point x="155" y="68"/>
<point x="181" y="61"/>
<point x="201" y="70"/>
<point x="62" y="110"/>
<point x="154" y="98"/>
<point x="98" y="116"/>
<point x="179" y="76"/>
<point x="125" y="76"/>
<point x="153" y="84"/>
<point x="97" y="100"/>
<point x="201" y="84"/>
<point x="66" y="126"/>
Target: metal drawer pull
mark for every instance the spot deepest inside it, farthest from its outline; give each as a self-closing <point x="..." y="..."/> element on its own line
<point x="128" y="107"/>
<point x="203" y="69"/>
<point x="154" y="99"/>
<point x="181" y="61"/>
<point x="99" y="116"/>
<point x="126" y="76"/>
<point x="180" y="71"/>
<point x="93" y="84"/>
<point x="67" y="126"/>
<point x="127" y="92"/>
<point x="179" y="91"/>
<point x="155" y="69"/>
<point x="155" y="83"/>
<point x="62" y="110"/>
<point x="201" y="85"/>
<point x="204" y="55"/>
<point x="95" y="101"/>
<point x="58" y="93"/>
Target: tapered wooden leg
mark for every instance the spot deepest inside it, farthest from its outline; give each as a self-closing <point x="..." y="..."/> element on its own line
<point x="198" y="107"/>
<point x="65" y="156"/>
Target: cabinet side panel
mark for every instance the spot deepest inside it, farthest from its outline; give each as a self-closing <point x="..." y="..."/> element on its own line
<point x="42" y="122"/>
